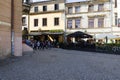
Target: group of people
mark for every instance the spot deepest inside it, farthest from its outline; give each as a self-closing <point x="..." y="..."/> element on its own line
<point x="36" y="45"/>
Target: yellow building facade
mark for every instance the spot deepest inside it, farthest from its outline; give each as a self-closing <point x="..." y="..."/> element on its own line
<point x="47" y="18"/>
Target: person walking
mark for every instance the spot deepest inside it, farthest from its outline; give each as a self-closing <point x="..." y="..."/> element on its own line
<point x="38" y="45"/>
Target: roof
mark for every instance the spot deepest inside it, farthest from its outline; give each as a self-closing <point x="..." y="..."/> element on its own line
<point x="48" y="2"/>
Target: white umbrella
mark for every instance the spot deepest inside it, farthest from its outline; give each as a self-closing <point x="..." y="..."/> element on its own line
<point x="103" y="36"/>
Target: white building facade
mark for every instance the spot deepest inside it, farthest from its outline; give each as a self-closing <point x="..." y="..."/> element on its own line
<point x="93" y="17"/>
<point x="25" y="16"/>
<point x="25" y="21"/>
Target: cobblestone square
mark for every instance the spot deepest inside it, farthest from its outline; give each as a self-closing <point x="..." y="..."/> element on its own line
<point x="60" y="64"/>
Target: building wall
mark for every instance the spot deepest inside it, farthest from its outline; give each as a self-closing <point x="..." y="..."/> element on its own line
<point x="50" y="14"/>
<point x="108" y="13"/>
<point x="118" y="9"/>
<point x="50" y="21"/>
<point x="115" y="10"/>
<point x="50" y="7"/>
<point x="5" y="28"/>
<point x="5" y="17"/>
<point x="18" y="27"/>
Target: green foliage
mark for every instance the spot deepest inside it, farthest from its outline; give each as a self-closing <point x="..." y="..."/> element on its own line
<point x="55" y="31"/>
<point x="107" y="47"/>
<point x="24" y="33"/>
<point x="113" y="44"/>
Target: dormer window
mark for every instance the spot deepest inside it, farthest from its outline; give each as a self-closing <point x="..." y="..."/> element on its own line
<point x="91" y="8"/>
<point x="44" y="8"/>
<point x="35" y="9"/>
<point x="100" y="7"/>
<point x="56" y="7"/>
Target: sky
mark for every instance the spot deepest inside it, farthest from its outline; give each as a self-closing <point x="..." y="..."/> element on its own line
<point x="67" y="0"/>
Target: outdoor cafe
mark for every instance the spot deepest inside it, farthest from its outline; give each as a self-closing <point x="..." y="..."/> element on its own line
<point x="80" y="40"/>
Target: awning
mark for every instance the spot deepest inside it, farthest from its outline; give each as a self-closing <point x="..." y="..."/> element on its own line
<point x="103" y="36"/>
<point x="44" y="33"/>
<point x="80" y="35"/>
<point x="34" y="34"/>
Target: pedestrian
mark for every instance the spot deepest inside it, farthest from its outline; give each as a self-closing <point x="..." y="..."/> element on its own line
<point x="49" y="44"/>
<point x="42" y="45"/>
<point x="38" y="45"/>
<point x="32" y="45"/>
<point x="35" y="45"/>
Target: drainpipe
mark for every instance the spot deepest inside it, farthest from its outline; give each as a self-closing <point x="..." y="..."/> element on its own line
<point x="12" y="27"/>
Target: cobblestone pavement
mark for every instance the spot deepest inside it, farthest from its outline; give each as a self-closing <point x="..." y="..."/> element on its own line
<point x="59" y="64"/>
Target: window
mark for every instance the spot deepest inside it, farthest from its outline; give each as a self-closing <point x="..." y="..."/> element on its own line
<point x="44" y="8"/>
<point x="24" y="21"/>
<point x="70" y="10"/>
<point x="115" y="3"/>
<point x="27" y="1"/>
<point x="35" y="9"/>
<point x="44" y="21"/>
<point x="77" y="9"/>
<point x="118" y="22"/>
<point x="116" y="19"/>
<point x="56" y="21"/>
<point x="35" y="22"/>
<point x="100" y="7"/>
<point x="77" y="23"/>
<point x="56" y="7"/>
<point x="69" y="23"/>
<point x="91" y="8"/>
<point x="91" y="23"/>
<point x="100" y="22"/>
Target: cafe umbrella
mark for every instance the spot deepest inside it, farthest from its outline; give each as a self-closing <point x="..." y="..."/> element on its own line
<point x="80" y="35"/>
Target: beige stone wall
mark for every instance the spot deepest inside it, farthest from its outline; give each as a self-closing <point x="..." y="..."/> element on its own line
<point x="18" y="27"/>
<point x="5" y="28"/>
<point x="5" y="40"/>
<point x="5" y="10"/>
